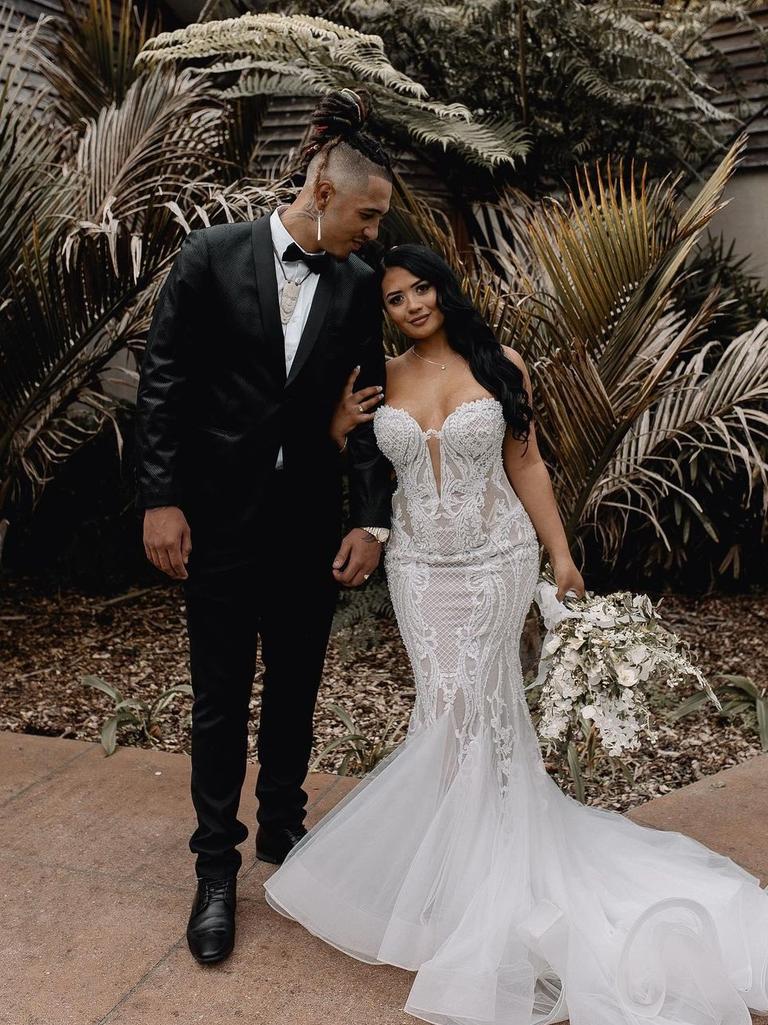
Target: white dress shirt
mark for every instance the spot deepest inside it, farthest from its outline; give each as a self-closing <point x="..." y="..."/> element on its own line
<point x="292" y="331"/>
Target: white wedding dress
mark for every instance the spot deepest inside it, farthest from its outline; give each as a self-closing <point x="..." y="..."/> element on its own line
<point x="458" y="857"/>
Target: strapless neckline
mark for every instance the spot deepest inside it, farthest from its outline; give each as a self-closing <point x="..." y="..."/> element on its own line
<point x="437" y="431"/>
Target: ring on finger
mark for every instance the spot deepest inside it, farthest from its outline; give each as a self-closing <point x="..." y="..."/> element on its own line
<point x="366" y="575"/>
<point x="360" y="409"/>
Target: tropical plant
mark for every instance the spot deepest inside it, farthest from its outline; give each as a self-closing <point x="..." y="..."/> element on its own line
<point x="740" y="697"/>
<point x="584" y="79"/>
<point x="624" y="391"/>
<point x="91" y="65"/>
<point x="360" y="753"/>
<point x="93" y="213"/>
<point x="132" y="711"/>
<point x="275" y="54"/>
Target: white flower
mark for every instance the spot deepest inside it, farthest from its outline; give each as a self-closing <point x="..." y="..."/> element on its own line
<point x="637" y="653"/>
<point x="626" y="675"/>
<point x="570" y="658"/>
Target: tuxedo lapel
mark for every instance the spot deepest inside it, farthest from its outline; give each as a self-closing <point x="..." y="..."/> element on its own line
<point x="317" y="314"/>
<point x="266" y="284"/>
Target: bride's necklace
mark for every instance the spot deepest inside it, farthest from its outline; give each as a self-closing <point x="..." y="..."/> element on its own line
<point x="289" y="295"/>
<point x="443" y="366"/>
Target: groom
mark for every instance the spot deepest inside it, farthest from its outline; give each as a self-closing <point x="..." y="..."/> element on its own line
<point x="255" y="332"/>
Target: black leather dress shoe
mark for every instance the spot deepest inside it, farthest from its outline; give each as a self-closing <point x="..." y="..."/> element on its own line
<point x="211" y="928"/>
<point x="272" y="845"/>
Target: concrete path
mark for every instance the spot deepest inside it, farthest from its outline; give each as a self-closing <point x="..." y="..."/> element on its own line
<point x="96" y="881"/>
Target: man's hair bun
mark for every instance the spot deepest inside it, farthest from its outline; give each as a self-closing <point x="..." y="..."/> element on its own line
<point x="337" y="125"/>
<point x="340" y="113"/>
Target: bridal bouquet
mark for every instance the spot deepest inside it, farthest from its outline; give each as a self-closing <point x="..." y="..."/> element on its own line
<point x="599" y="654"/>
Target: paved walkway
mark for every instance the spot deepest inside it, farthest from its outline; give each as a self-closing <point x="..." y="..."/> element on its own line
<point x="96" y="881"/>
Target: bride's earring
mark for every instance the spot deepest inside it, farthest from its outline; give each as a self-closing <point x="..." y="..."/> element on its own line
<point x="319" y="230"/>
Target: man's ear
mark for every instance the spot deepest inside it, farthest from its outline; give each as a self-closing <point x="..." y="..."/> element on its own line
<point x="324" y="191"/>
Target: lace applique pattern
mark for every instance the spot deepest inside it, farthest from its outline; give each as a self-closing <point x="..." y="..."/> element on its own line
<point x="461" y="562"/>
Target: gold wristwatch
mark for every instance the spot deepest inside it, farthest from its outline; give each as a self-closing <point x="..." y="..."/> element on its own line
<point x="380" y="533"/>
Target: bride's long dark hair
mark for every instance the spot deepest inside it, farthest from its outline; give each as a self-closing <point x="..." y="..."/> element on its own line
<point x="467" y="333"/>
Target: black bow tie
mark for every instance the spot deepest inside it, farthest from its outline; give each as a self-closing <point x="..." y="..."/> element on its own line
<point x="317" y="262"/>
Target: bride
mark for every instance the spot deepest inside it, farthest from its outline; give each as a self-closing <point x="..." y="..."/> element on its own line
<point x="458" y="857"/>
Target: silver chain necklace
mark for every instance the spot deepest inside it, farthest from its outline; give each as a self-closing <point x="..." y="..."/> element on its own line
<point x="443" y="366"/>
<point x="289" y="295"/>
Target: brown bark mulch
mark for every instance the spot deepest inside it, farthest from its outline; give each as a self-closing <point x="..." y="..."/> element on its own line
<point x="137" y="642"/>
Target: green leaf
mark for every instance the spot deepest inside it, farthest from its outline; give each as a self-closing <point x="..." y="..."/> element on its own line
<point x="346" y="718"/>
<point x="109" y="729"/>
<point x="761" y="708"/>
<point x="103" y="686"/>
<point x="574" y="767"/>
<point x="135" y="703"/>
<point x="741" y="683"/>
<point x="690" y="704"/>
<point x="168" y="695"/>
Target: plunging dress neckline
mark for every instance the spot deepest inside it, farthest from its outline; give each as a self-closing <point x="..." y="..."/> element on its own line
<point x="436" y="457"/>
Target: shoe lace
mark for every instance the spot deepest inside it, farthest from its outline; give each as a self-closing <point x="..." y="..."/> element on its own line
<point x="216" y="888"/>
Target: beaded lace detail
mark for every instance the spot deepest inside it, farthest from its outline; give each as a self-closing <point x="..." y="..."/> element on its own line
<point x="461" y="562"/>
<point x="453" y="496"/>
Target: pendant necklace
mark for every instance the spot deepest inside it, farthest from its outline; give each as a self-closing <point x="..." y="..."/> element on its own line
<point x="443" y="366"/>
<point x="289" y="295"/>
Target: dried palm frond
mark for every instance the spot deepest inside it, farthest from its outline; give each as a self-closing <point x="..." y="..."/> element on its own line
<point x="717" y="413"/>
<point x="31" y="186"/>
<point x="90" y="60"/>
<point x="610" y="259"/>
<point x="68" y="316"/>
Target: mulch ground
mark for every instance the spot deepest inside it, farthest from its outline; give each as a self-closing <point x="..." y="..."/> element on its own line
<point x="137" y="643"/>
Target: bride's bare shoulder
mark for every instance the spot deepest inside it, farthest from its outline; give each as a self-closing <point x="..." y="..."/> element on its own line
<point x="396" y="361"/>
<point x="514" y="356"/>
<point x="395" y="366"/>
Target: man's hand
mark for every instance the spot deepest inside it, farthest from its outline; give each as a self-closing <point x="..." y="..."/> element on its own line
<point x="357" y="558"/>
<point x="167" y="540"/>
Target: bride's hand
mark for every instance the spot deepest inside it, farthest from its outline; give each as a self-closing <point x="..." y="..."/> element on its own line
<point x="567" y="578"/>
<point x="352" y="408"/>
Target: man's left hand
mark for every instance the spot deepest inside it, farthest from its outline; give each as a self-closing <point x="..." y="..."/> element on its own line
<point x="357" y="558"/>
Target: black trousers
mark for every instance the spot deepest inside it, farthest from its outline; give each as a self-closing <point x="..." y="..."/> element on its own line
<point x="273" y="582"/>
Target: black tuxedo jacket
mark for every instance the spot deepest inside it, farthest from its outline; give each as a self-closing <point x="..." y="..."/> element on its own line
<point x="214" y="405"/>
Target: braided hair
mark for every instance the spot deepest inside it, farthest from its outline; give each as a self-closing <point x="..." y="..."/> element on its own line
<point x="337" y="122"/>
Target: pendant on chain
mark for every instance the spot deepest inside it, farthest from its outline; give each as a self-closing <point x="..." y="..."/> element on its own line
<point x="288" y="299"/>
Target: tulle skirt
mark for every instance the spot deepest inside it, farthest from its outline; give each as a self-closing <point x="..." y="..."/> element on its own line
<point x="517" y="905"/>
<point x="526" y="912"/>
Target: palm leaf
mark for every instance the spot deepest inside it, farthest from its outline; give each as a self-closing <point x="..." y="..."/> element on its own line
<point x="31" y="185"/>
<point x="601" y="338"/>
<point x="717" y="409"/>
<point x="84" y="266"/>
<point x="89" y="62"/>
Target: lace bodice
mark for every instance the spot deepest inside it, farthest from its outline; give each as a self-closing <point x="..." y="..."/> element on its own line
<point x="453" y="494"/>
